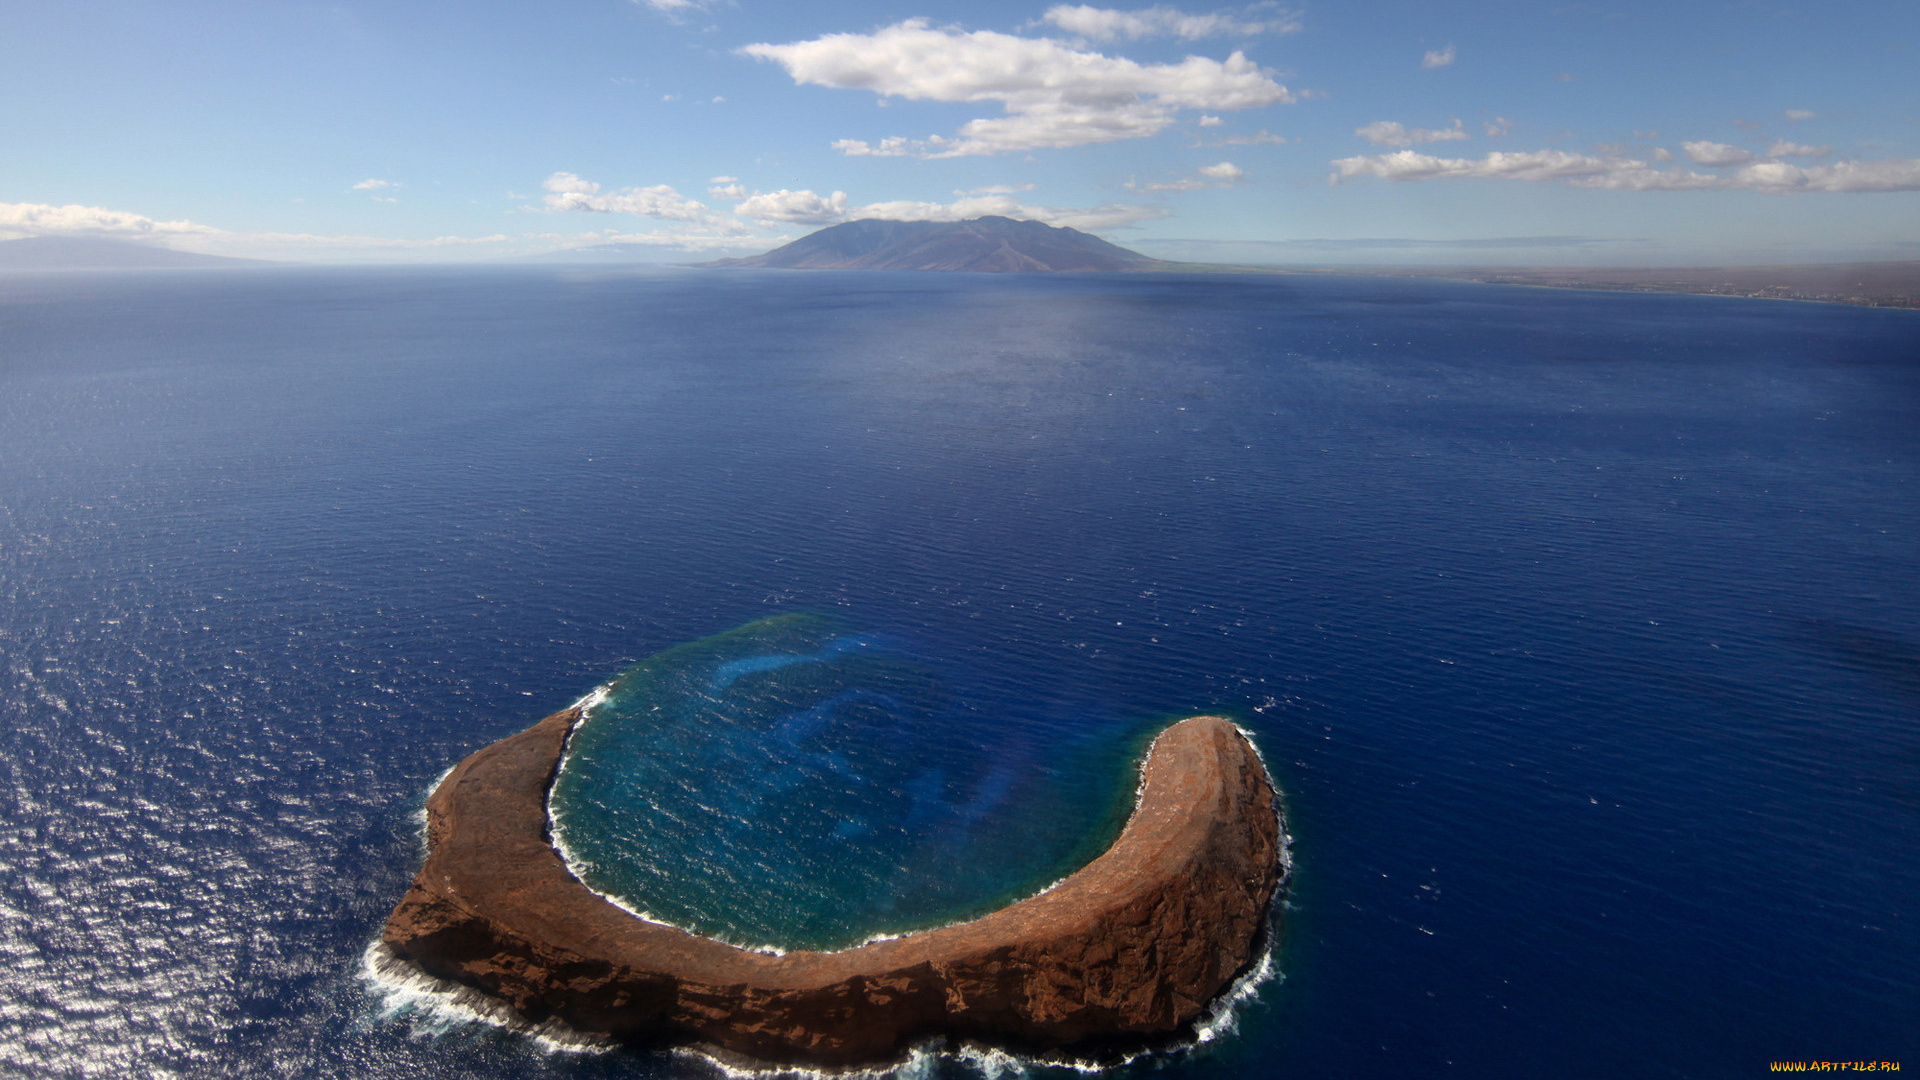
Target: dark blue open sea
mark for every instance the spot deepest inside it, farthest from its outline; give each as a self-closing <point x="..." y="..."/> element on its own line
<point x="1581" y="632"/>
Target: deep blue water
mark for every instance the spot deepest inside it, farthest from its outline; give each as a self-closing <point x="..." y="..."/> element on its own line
<point x="1581" y="631"/>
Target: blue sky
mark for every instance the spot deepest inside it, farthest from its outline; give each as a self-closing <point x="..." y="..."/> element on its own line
<point x="1362" y="132"/>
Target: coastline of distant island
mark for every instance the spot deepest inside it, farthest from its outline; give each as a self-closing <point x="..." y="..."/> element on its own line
<point x="1860" y="284"/>
<point x="1004" y="245"/>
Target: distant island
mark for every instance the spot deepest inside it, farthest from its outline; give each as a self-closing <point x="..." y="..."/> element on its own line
<point x="995" y="245"/>
<point x="38" y="253"/>
<point x="1004" y="245"/>
<point x="1861" y="284"/>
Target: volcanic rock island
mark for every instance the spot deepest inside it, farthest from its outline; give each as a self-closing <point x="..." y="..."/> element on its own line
<point x="1128" y="950"/>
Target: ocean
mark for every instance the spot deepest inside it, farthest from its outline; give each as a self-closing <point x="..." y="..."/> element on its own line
<point x="1580" y="631"/>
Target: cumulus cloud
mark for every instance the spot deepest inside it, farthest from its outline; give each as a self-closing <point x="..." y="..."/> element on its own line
<point x="1715" y="155"/>
<point x="41" y="219"/>
<point x="1411" y="165"/>
<point x="1631" y="174"/>
<point x="1053" y="95"/>
<point x="1893" y="174"/>
<point x="812" y="209"/>
<point x="733" y="192"/>
<point x="1106" y="24"/>
<point x="567" y="192"/>
<point x="795" y="208"/>
<point x="20" y="220"/>
<point x="1438" y="58"/>
<point x="1225" y="174"/>
<point x="1394" y="133"/>
<point x="1210" y="121"/>
<point x="373" y="185"/>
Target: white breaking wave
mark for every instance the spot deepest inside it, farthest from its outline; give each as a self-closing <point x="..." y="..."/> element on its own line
<point x="594" y="698"/>
<point x="436" y="1007"/>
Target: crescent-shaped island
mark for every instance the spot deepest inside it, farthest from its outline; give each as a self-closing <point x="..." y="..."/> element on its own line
<point x="1129" y="949"/>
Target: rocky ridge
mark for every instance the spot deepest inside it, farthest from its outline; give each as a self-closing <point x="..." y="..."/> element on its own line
<point x="1131" y="947"/>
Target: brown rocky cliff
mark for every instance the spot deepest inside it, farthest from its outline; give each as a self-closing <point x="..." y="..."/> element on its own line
<point x="1132" y="946"/>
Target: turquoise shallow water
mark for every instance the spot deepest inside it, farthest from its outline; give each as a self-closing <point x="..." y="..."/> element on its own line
<point x="794" y="784"/>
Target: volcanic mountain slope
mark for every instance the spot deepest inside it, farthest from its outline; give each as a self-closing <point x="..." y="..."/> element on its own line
<point x="986" y="244"/>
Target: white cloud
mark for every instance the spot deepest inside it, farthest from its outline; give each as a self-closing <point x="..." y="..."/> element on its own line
<point x="674" y="7"/>
<point x="373" y="185"/>
<point x="1411" y="165"/>
<point x="1107" y="24"/>
<point x="998" y="189"/>
<point x="1797" y="115"/>
<point x="1393" y="133"/>
<point x="1210" y="121"/>
<point x="40" y="219"/>
<point x="1225" y="174"/>
<point x="1894" y="174"/>
<point x="723" y="179"/>
<point x="567" y="192"/>
<point x="1715" y="155"/>
<point x="1629" y="174"/>
<point x="1053" y="95"/>
<point x="1497" y="127"/>
<point x="19" y="220"/>
<point x="1262" y="137"/>
<point x="1661" y="153"/>
<point x="1784" y="149"/>
<point x="1438" y="58"/>
<point x="730" y="192"/>
<point x="809" y="208"/>
<point x="795" y="207"/>
<point x="680" y="237"/>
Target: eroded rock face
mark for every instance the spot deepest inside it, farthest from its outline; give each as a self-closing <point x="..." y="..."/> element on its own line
<point x="1132" y="946"/>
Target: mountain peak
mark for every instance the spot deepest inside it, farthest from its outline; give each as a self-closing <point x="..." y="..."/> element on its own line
<point x="981" y="245"/>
